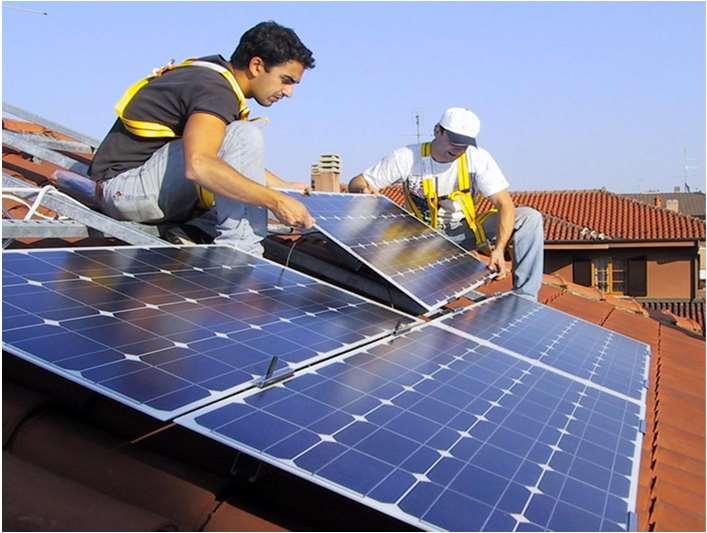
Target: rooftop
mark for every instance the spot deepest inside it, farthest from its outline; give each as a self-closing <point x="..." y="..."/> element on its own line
<point x="688" y="203"/>
<point x="579" y="215"/>
<point x="186" y="482"/>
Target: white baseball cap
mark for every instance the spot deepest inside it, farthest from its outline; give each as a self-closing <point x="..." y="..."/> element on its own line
<point x="461" y="124"/>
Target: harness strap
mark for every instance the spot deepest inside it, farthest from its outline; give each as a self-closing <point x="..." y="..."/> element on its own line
<point x="142" y="128"/>
<point x="462" y="195"/>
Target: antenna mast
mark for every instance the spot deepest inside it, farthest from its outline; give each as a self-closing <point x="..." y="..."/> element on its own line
<point x="417" y="124"/>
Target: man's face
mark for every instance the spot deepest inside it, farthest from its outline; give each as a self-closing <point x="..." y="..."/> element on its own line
<point x="270" y="85"/>
<point x="443" y="151"/>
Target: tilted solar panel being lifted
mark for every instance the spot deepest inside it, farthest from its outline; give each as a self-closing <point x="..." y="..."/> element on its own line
<point x="166" y="330"/>
<point x="446" y="433"/>
<point x="419" y="260"/>
<point x="560" y="340"/>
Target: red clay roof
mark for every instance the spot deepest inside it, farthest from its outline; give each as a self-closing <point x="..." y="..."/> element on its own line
<point x="683" y="313"/>
<point x="590" y="214"/>
<point x="689" y="203"/>
<point x="613" y="215"/>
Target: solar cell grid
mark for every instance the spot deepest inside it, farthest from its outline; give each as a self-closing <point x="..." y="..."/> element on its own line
<point x="445" y="433"/>
<point x="559" y="340"/>
<point x="167" y="329"/>
<point x="419" y="260"/>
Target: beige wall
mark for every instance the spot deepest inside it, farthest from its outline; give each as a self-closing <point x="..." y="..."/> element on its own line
<point x="669" y="275"/>
<point x="669" y="271"/>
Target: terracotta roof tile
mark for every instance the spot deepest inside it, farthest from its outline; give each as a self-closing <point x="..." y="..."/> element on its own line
<point x="682" y="314"/>
<point x="228" y="517"/>
<point x="21" y="126"/>
<point x="592" y="311"/>
<point x="664" y="455"/>
<point x="681" y="441"/>
<point x="38" y="500"/>
<point x="613" y="215"/>
<point x="579" y="215"/>
<point x="395" y="193"/>
<point x="679" y="477"/>
<point x="638" y="327"/>
<point x="105" y="467"/>
<point x="689" y="203"/>
<point x="666" y="517"/>
<point x="679" y="496"/>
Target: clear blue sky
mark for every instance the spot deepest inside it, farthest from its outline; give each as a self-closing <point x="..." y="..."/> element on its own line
<point x="570" y="95"/>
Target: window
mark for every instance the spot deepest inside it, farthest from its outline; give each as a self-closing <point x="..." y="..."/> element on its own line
<point x="612" y="275"/>
<point x="618" y="276"/>
<point x="637" y="277"/>
<point x="582" y="272"/>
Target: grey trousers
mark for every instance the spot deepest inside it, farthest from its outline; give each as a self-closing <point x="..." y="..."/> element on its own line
<point x="528" y="239"/>
<point x="158" y="191"/>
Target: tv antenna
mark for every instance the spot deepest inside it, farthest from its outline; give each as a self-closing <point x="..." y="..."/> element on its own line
<point x="417" y="126"/>
<point x="686" y="167"/>
<point x="27" y="10"/>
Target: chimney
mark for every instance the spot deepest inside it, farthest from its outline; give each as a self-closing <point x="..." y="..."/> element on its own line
<point x="658" y="201"/>
<point x="676" y="188"/>
<point x="672" y="205"/>
<point x="326" y="174"/>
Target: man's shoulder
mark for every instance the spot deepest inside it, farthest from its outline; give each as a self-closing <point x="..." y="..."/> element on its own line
<point x="479" y="155"/>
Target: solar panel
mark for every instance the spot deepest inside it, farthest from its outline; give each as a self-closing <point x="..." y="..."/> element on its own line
<point x="560" y="340"/>
<point x="446" y="433"/>
<point x="417" y="259"/>
<point x="166" y="330"/>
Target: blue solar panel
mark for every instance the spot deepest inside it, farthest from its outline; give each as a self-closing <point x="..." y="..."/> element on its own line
<point x="445" y="433"/>
<point x="416" y="258"/>
<point x="559" y="340"/>
<point x="166" y="330"/>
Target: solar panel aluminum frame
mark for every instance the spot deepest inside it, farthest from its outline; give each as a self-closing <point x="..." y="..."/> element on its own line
<point x="75" y="376"/>
<point x="431" y="309"/>
<point x="641" y="403"/>
<point x="188" y="421"/>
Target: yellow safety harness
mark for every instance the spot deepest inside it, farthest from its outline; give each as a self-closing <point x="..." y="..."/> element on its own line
<point x="462" y="195"/>
<point x="142" y="128"/>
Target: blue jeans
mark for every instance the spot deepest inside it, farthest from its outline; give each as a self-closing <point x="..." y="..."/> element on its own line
<point x="528" y="238"/>
<point x="158" y="191"/>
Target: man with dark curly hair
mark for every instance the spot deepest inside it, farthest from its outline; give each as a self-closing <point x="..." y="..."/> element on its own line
<point x="182" y="145"/>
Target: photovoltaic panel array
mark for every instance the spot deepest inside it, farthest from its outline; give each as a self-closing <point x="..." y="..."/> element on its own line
<point x="416" y="258"/>
<point x="559" y="340"/>
<point x="166" y="330"/>
<point x="446" y="433"/>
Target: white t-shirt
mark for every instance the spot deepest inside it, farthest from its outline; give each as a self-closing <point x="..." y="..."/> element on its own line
<point x="406" y="163"/>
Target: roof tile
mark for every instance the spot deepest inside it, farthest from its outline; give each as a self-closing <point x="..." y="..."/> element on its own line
<point x="597" y="214"/>
<point x="667" y="517"/>
<point x="679" y="496"/>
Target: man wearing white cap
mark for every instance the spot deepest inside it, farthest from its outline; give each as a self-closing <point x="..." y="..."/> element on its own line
<point x="442" y="181"/>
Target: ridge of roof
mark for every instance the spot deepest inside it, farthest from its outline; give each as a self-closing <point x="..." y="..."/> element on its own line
<point x="643" y="222"/>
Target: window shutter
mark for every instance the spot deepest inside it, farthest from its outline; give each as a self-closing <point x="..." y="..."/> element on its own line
<point x="637" y="277"/>
<point x="582" y="272"/>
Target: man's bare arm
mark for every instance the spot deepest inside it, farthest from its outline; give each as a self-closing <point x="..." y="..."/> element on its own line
<point x="506" y="220"/>
<point x="277" y="182"/>
<point x="203" y="136"/>
<point x="360" y="185"/>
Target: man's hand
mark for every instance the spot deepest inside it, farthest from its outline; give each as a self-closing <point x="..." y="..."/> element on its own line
<point x="276" y="182"/>
<point x="361" y="186"/>
<point x="497" y="263"/>
<point x="291" y="212"/>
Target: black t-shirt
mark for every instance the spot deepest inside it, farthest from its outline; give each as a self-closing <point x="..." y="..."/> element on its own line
<point x="169" y="100"/>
